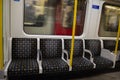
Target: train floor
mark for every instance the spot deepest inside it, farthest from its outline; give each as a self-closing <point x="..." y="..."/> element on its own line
<point x="106" y="74"/>
<point x="90" y="76"/>
<point x="97" y="76"/>
<point x="103" y="76"/>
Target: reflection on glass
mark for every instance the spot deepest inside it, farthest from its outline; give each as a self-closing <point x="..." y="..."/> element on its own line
<point x="53" y="17"/>
<point x="109" y="20"/>
<point x="67" y="13"/>
<point x="39" y="16"/>
<point x="111" y="14"/>
<point x="34" y="12"/>
<point x="64" y="17"/>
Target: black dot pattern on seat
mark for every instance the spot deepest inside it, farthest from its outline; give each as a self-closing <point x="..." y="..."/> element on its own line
<point x="81" y="64"/>
<point x="78" y="47"/>
<point x="24" y="57"/>
<point x="94" y="46"/>
<point x="54" y="65"/>
<point x="51" y="56"/>
<point x="102" y="62"/>
<point x="51" y="48"/>
<point x="24" y="48"/>
<point x="23" y="67"/>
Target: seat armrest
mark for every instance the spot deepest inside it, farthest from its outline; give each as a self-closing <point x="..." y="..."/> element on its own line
<point x="91" y="56"/>
<point x="107" y="54"/>
<point x="6" y="67"/>
<point x="40" y="55"/>
<point x="118" y="56"/>
<point x="88" y="51"/>
<point x="40" y="66"/>
<point x="64" y="52"/>
<point x="39" y="60"/>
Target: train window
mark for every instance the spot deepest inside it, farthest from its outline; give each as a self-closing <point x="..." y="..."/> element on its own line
<point x="109" y="20"/>
<point x="39" y="16"/>
<point x="53" y="17"/>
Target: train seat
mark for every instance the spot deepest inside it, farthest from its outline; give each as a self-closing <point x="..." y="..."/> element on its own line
<point x="80" y="63"/>
<point x="23" y="57"/>
<point x="103" y="58"/>
<point x="52" y="53"/>
<point x="110" y="45"/>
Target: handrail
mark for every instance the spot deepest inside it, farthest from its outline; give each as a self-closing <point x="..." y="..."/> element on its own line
<point x="1" y="25"/>
<point x="117" y="40"/>
<point x="73" y="31"/>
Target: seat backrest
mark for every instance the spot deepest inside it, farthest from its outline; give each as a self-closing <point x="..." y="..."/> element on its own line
<point x="110" y="44"/>
<point x="24" y="48"/>
<point x="51" y="48"/>
<point x="94" y="46"/>
<point x="78" y="47"/>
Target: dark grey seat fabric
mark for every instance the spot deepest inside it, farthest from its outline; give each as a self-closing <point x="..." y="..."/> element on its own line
<point x="23" y="67"/>
<point x="110" y="44"/>
<point x="95" y="47"/>
<point x="54" y="65"/>
<point x="79" y="63"/>
<point x="51" y="50"/>
<point x="102" y="62"/>
<point x="24" y="57"/>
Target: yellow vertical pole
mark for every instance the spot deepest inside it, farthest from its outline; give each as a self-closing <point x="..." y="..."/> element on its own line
<point x="117" y="40"/>
<point x="73" y="31"/>
<point x="1" y="24"/>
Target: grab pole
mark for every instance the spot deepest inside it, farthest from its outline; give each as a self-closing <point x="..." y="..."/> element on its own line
<point x="73" y="32"/>
<point x="1" y="34"/>
<point x="117" y="40"/>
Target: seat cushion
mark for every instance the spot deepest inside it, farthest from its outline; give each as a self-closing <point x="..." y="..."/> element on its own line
<point x="102" y="62"/>
<point x="54" y="66"/>
<point x="23" y="67"/>
<point x="80" y="63"/>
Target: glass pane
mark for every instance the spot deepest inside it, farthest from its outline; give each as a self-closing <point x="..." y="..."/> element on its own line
<point x="81" y="16"/>
<point x="53" y="17"/>
<point x="64" y="20"/>
<point x="39" y="16"/>
<point x="109" y="21"/>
